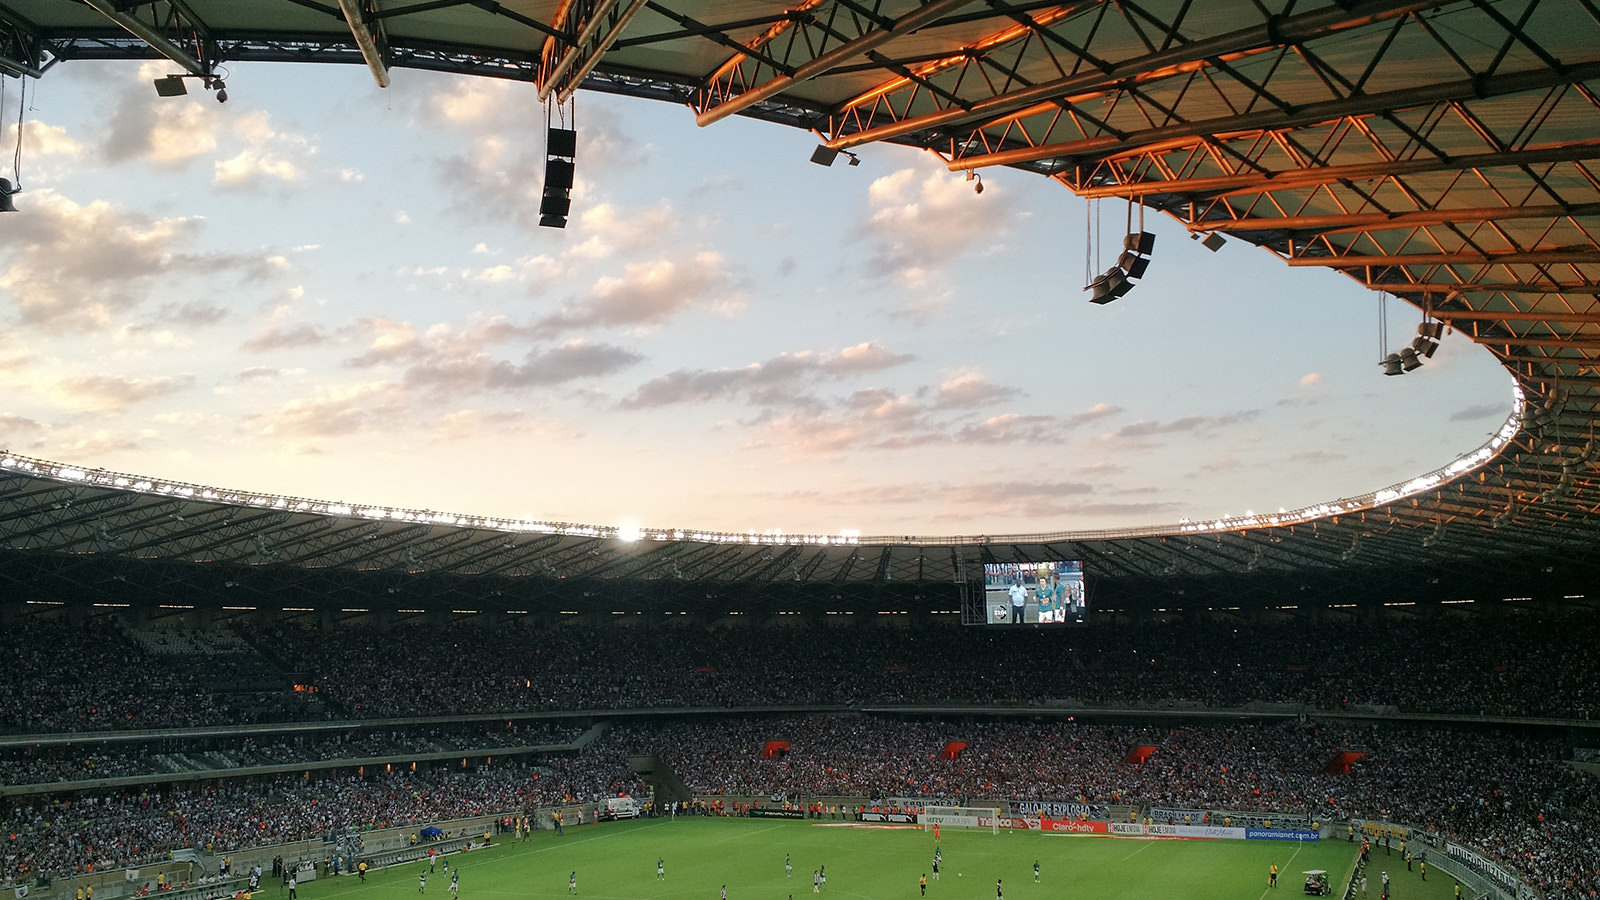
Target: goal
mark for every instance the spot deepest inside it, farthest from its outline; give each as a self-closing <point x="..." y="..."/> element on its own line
<point x="986" y="818"/>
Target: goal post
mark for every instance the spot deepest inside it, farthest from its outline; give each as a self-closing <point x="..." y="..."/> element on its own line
<point x="984" y="817"/>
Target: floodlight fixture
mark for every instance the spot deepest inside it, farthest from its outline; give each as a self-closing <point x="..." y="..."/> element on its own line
<point x="1392" y="365"/>
<point x="854" y="159"/>
<point x="824" y="155"/>
<point x="6" y="190"/>
<point x="1409" y="360"/>
<point x="1213" y="242"/>
<point x="170" y="86"/>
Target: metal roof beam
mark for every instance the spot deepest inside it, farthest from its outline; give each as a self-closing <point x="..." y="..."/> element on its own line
<point x="360" y="15"/>
<point x="1485" y="287"/>
<point x="1377" y="221"/>
<point x="1222" y="186"/>
<point x="1267" y="37"/>
<point x="1517" y="315"/>
<point x="151" y="36"/>
<point x="927" y="13"/>
<point x="1509" y="341"/>
<point x="1461" y="258"/>
<point x="1184" y="133"/>
<point x="579" y="59"/>
<point x="21" y="50"/>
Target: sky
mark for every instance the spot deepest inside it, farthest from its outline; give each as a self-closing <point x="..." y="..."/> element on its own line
<point x="329" y="290"/>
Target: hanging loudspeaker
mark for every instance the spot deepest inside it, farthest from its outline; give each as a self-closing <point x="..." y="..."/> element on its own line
<point x="561" y="142"/>
<point x="557" y="175"/>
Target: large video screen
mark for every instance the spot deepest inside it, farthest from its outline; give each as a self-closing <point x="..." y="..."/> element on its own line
<point x="1035" y="593"/>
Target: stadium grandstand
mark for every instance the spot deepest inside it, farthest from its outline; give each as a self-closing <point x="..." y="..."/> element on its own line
<point x="199" y="678"/>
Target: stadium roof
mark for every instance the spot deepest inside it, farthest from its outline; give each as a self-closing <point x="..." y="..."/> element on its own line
<point x="1442" y="152"/>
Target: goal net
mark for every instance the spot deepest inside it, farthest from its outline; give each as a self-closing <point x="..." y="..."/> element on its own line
<point x="986" y="818"/>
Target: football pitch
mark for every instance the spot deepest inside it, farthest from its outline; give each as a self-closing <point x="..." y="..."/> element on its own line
<point x="617" y="861"/>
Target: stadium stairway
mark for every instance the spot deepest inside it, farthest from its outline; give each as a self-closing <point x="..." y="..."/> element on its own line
<point x="656" y="773"/>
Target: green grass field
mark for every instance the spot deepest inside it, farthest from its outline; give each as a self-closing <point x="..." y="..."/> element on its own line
<point x="617" y="861"/>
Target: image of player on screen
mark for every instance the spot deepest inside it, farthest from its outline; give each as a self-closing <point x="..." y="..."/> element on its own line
<point x="1046" y="594"/>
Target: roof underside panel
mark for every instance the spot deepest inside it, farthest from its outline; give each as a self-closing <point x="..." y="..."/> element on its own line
<point x="1446" y="152"/>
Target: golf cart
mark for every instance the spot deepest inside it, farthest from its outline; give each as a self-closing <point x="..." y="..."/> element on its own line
<point x="1317" y="882"/>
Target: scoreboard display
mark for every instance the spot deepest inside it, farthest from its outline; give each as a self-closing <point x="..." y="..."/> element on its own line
<point x="1034" y="593"/>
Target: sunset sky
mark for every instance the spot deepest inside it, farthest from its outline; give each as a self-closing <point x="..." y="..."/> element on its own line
<point x="329" y="290"/>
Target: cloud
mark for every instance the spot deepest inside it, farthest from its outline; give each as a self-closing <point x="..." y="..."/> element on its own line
<point x="1011" y="428"/>
<point x="1020" y="499"/>
<point x="647" y="293"/>
<point x="183" y="316"/>
<point x="1310" y="379"/>
<point x="879" y="418"/>
<point x="267" y="155"/>
<point x="478" y="424"/>
<point x="970" y="390"/>
<point x="285" y="337"/>
<point x="1102" y="468"/>
<point x="335" y="411"/>
<point x="608" y="231"/>
<point x="493" y="274"/>
<point x="775" y="380"/>
<point x="257" y="372"/>
<point x="165" y="133"/>
<point x="1008" y="499"/>
<point x="1480" y="411"/>
<point x="80" y="267"/>
<point x="473" y="372"/>
<point x="568" y="362"/>
<point x="922" y="221"/>
<point x="1185" y="425"/>
<point x="40" y="139"/>
<point x="449" y="360"/>
<point x="921" y="306"/>
<point x="1093" y="413"/>
<point x="115" y="393"/>
<point x="13" y="426"/>
<point x="1123" y="509"/>
<point x="1319" y="457"/>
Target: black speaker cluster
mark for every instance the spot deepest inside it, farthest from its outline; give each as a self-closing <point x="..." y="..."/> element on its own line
<point x="561" y="146"/>
<point x="1131" y="266"/>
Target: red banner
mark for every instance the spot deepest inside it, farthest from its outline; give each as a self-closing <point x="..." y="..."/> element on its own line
<point x="1072" y="826"/>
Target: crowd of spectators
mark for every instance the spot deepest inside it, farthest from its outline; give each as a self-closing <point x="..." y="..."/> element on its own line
<point x="1509" y="794"/>
<point x="100" y="678"/>
<point x="84" y="832"/>
<point x="39" y="764"/>
<point x="97" y="675"/>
